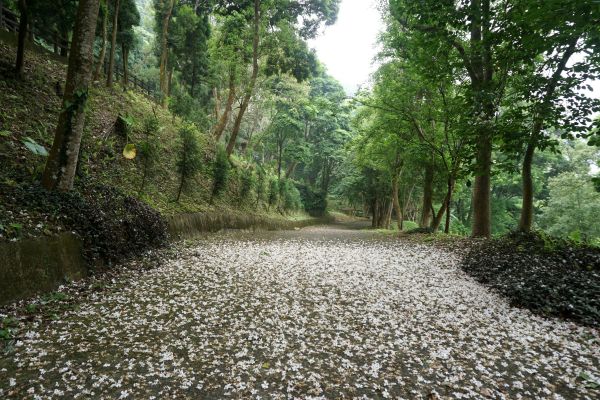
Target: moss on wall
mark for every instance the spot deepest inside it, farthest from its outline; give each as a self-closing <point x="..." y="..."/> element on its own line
<point x="33" y="266"/>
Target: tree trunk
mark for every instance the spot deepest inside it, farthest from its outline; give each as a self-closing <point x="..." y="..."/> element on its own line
<point x="396" y="201"/>
<point x="388" y="214"/>
<point x="222" y="124"/>
<point x="427" y="197"/>
<point x="291" y="169"/>
<point x="102" y="56"/>
<point x="448" y="202"/>
<point x="125" y="60"/>
<point x="217" y="102"/>
<point x="62" y="161"/>
<point x="23" y="24"/>
<point x="113" y="45"/>
<point x="437" y="219"/>
<point x="279" y="158"/>
<point x="55" y="41"/>
<point x="374" y="211"/>
<point x="170" y="81"/>
<point x="164" y="52"/>
<point x="181" y="183"/>
<point x="482" y="216"/>
<point x="193" y="82"/>
<point x="255" y="42"/>
<point x="526" y="219"/>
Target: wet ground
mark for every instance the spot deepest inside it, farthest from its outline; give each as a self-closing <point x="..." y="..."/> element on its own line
<point x="322" y="313"/>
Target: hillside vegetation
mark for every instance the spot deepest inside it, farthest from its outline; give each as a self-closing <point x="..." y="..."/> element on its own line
<point x="114" y="119"/>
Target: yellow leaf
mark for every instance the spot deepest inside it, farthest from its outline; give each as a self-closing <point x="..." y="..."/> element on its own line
<point x="129" y="152"/>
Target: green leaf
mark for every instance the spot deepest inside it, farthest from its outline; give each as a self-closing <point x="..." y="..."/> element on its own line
<point x="591" y="381"/>
<point x="34" y="147"/>
<point x="5" y="334"/>
<point x="266" y="365"/>
<point x="4" y="133"/>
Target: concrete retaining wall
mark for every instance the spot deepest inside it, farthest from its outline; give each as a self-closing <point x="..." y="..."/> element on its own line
<point x="34" y="266"/>
<point x="185" y="226"/>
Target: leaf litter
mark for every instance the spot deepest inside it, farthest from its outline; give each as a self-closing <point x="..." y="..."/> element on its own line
<point x="307" y="317"/>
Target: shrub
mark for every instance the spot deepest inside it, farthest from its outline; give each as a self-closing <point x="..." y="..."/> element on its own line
<point x="111" y="224"/>
<point x="247" y="184"/>
<point x="548" y="275"/>
<point x="273" y="192"/>
<point x="261" y="180"/>
<point x="190" y="156"/>
<point x="220" y="171"/>
<point x="314" y="201"/>
<point x="291" y="196"/>
<point x="149" y="150"/>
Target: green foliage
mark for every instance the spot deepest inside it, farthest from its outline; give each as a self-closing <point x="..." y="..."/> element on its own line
<point x="573" y="208"/>
<point x="410" y="225"/>
<point x="314" y="201"/>
<point x="189" y="162"/>
<point x="149" y="150"/>
<point x="548" y="275"/>
<point x="129" y="17"/>
<point x="261" y="183"/>
<point x="292" y="200"/>
<point x="273" y="192"/>
<point x="248" y="183"/>
<point x="221" y="169"/>
<point x="34" y="147"/>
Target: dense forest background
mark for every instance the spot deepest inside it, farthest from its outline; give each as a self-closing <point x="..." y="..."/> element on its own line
<point x="479" y="120"/>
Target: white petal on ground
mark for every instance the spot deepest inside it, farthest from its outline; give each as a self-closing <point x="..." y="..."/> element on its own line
<point x="311" y="314"/>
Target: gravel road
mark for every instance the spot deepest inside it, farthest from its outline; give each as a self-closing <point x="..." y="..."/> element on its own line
<point x="322" y="313"/>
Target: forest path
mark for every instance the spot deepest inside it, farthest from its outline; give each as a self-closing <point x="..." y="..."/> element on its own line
<point x="325" y="312"/>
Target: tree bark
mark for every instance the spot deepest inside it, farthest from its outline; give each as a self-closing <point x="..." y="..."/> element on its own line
<point x="374" y="210"/>
<point x="113" y="45"/>
<point x="290" y="170"/>
<point x="125" y="59"/>
<point x="482" y="215"/>
<point x="102" y="56"/>
<point x="170" y="81"/>
<point x="448" y="202"/>
<point x="164" y="53"/>
<point x="279" y="158"/>
<point x="526" y="219"/>
<point x="396" y="201"/>
<point x="217" y="102"/>
<point x="437" y="219"/>
<point x="388" y="214"/>
<point x="222" y="124"/>
<point x="23" y="24"/>
<point x="427" y="197"/>
<point x="255" y="43"/>
<point x="62" y="161"/>
<point x="481" y="81"/>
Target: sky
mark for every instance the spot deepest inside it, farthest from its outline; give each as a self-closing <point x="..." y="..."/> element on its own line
<point x="348" y="47"/>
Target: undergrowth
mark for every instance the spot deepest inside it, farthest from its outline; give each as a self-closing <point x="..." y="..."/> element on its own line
<point x="550" y="276"/>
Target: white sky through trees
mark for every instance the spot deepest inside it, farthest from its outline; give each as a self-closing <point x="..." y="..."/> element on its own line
<point x="348" y="47"/>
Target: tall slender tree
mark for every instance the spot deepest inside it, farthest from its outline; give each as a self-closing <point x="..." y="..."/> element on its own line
<point x="23" y="28"/>
<point x="113" y="43"/>
<point x="104" y="39"/>
<point x="61" y="165"/>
